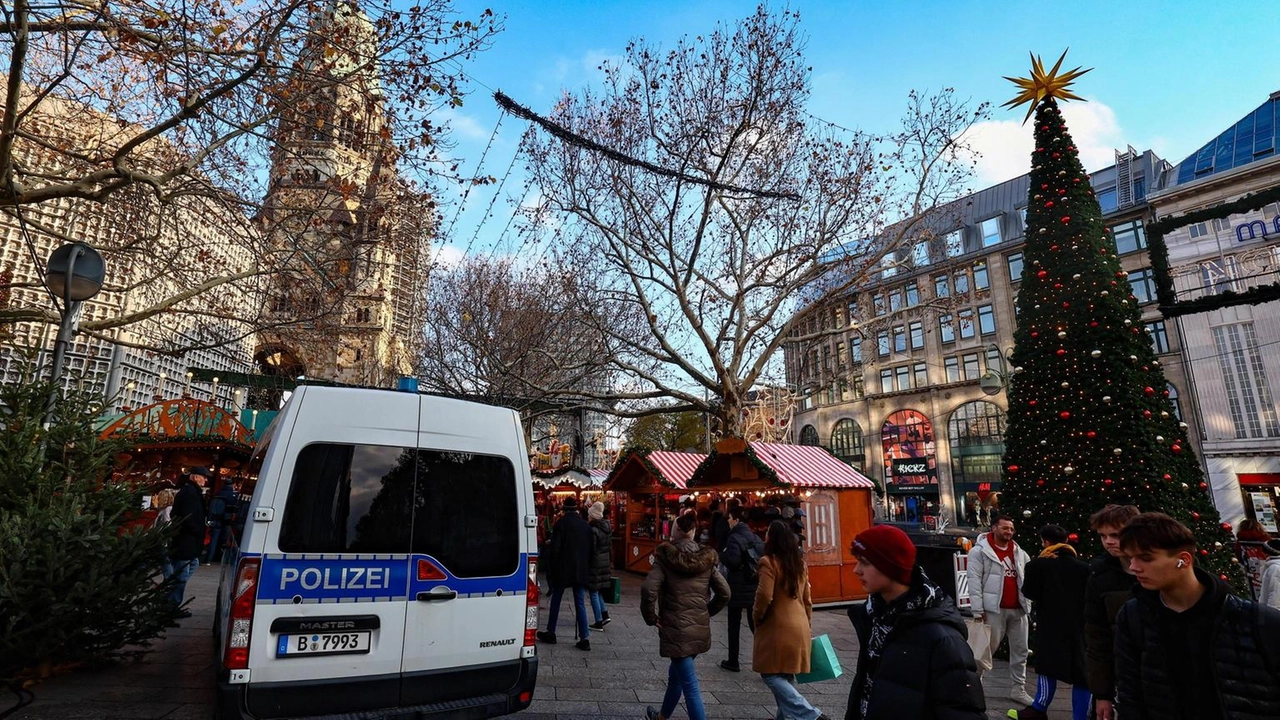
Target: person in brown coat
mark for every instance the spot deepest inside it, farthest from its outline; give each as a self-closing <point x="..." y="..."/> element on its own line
<point x="674" y="598"/>
<point x="783" y="612"/>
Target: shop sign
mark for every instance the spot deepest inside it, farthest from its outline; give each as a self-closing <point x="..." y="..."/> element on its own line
<point x="910" y="466"/>
<point x="1256" y="228"/>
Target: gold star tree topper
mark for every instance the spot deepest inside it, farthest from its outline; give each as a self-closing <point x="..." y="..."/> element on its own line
<point x="1041" y="85"/>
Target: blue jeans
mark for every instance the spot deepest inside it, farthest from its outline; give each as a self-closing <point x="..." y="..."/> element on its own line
<point x="182" y="570"/>
<point x="682" y="679"/>
<point x="579" y="610"/>
<point x="791" y="704"/>
<point x="597" y="605"/>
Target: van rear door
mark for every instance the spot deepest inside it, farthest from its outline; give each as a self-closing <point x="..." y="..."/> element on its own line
<point x="328" y="627"/>
<point x="469" y="573"/>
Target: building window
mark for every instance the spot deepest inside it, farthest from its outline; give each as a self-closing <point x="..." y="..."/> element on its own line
<point x="1144" y="285"/>
<point x="946" y="328"/>
<point x="976" y="434"/>
<point x="913" y="294"/>
<point x="1173" y="400"/>
<point x="882" y="343"/>
<point x="1130" y="237"/>
<point x="1222" y="224"/>
<point x="952" y="365"/>
<point x="877" y="303"/>
<point x="980" y="281"/>
<point x="842" y="357"/>
<point x="991" y="231"/>
<point x="888" y="266"/>
<point x="899" y="339"/>
<point x="856" y="345"/>
<point x="941" y="286"/>
<point x="994" y="362"/>
<point x="917" y="335"/>
<point x="895" y="300"/>
<point x="920" y="371"/>
<point x="1014" y="262"/>
<point x="851" y="311"/>
<point x="986" y="319"/>
<point x="955" y="243"/>
<point x="903" y="376"/>
<point x="809" y="435"/>
<point x="1159" y="338"/>
<point x="972" y="371"/>
<point x="1107" y="200"/>
<point x="1248" y="393"/>
<point x="920" y="253"/>
<point x="857" y="387"/>
<point x="966" y="323"/>
<point x="1199" y="230"/>
<point x="363" y="315"/>
<point x="962" y="283"/>
<point x="846" y="441"/>
<point x="886" y="380"/>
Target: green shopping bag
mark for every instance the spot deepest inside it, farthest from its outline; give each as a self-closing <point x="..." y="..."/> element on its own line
<point x="823" y="663"/>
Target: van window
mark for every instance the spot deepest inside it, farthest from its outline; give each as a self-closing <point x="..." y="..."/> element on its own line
<point x="349" y="498"/>
<point x="467" y="513"/>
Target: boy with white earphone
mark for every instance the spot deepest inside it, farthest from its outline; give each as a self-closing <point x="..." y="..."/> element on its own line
<point x="1186" y="648"/>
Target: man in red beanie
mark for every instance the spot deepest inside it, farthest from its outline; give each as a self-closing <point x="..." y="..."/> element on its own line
<point x="913" y="654"/>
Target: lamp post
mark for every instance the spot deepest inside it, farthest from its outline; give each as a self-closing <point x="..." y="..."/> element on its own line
<point x="75" y="273"/>
<point x="993" y="382"/>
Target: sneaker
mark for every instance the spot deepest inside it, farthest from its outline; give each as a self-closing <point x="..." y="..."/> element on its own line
<point x="184" y="614"/>
<point x="731" y="667"/>
<point x="606" y="620"/>
<point x="651" y="714"/>
<point x="547" y="637"/>
<point x="1020" y="696"/>
<point x="599" y="625"/>
<point x="583" y="644"/>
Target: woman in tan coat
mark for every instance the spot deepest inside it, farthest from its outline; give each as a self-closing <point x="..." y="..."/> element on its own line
<point x="783" y="612"/>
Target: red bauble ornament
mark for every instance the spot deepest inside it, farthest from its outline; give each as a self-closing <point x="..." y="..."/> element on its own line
<point x="1149" y="390"/>
<point x="1167" y="476"/>
<point x="1226" y="526"/>
<point x="1093" y="324"/>
<point x="1106" y="481"/>
<point x="1204" y="553"/>
<point x="1035" y="334"/>
<point x="1049" y="204"/>
<point x="1042" y="273"/>
<point x="1091" y="434"/>
<point x="1064" y="414"/>
<point x="1073" y="538"/>
<point x="1062" y="191"/>
<point x="1044" y="186"/>
<point x="1039" y="483"/>
<point x="1176" y="448"/>
<point x="1204" y="486"/>
<point x="1032" y="403"/>
<point x="1057" y="286"/>
<point x="1014" y="468"/>
<point x="1066" y="219"/>
<point x="1062" y="351"/>
<point x="1066" y="304"/>
<point x="1195" y="516"/>
<point x="1146" y="414"/>
<point x="1057" y="155"/>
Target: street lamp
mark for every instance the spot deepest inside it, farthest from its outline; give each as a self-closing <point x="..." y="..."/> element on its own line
<point x="994" y="381"/>
<point x="75" y="273"/>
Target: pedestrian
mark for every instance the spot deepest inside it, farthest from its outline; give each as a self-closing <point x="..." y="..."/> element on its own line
<point x="1269" y="585"/>
<point x="222" y="513"/>
<point x="1055" y="582"/>
<point x="996" y="565"/>
<point x="1109" y="587"/>
<point x="570" y="547"/>
<point x="163" y="503"/>
<point x="914" y="659"/>
<point x="188" y="541"/>
<point x="741" y="560"/>
<point x="600" y="579"/>
<point x="674" y="597"/>
<point x="783" y="613"/>
<point x="1186" y="648"/>
<point x="720" y="527"/>
<point x="1252" y="531"/>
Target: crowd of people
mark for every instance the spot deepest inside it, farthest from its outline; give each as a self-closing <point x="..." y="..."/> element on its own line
<point x="1138" y="632"/>
<point x="197" y="518"/>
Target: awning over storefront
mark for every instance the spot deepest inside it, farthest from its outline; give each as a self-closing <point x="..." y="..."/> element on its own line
<point x="185" y="421"/>
<point x="759" y="464"/>
<point x="653" y="470"/>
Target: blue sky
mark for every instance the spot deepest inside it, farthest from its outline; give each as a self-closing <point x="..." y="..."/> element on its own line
<point x="1168" y="76"/>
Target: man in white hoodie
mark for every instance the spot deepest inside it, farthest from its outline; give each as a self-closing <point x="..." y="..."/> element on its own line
<point x="996" y="565"/>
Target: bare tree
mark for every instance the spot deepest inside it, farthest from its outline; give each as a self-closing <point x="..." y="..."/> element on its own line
<point x="765" y="207"/>
<point x="173" y="114"/>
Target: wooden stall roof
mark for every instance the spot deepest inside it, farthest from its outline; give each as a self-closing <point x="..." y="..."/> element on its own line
<point x="653" y="469"/>
<point x="739" y="463"/>
<point x="182" y="422"/>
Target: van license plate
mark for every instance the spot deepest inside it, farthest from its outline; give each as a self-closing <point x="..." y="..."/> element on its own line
<point x="324" y="644"/>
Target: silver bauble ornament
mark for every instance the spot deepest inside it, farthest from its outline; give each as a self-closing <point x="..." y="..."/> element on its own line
<point x="1096" y="353"/>
<point x="1068" y="470"/>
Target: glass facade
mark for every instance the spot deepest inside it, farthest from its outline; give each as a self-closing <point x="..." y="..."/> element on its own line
<point x="910" y="466"/>
<point x="846" y="442"/>
<point x="1253" y="138"/>
<point x="809" y="435"/>
<point x="976" y="435"/>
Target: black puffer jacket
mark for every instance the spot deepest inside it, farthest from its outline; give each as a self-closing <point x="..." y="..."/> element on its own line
<point x="734" y="558"/>
<point x="1055" y="582"/>
<point x="1244" y="659"/>
<point x="684" y="575"/>
<point x="926" y="671"/>
<point x="1108" y="588"/>
<point x="188" y="515"/>
<point x="602" y="534"/>
<point x="570" y="549"/>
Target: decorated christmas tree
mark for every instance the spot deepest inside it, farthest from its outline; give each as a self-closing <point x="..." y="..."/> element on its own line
<point x="1090" y="420"/>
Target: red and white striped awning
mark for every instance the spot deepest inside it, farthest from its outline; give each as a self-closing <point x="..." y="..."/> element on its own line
<point x="676" y="467"/>
<point x="809" y="466"/>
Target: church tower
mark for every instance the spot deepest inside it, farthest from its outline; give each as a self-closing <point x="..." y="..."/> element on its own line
<point x="355" y="235"/>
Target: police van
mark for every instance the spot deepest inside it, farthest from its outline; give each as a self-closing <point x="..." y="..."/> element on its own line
<point x="386" y="567"/>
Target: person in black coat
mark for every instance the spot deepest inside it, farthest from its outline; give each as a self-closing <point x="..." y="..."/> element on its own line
<point x="914" y="659"/>
<point x="1186" y="648"/>
<point x="570" y="548"/>
<point x="743" y="579"/>
<point x="1055" y="582"/>
<point x="188" y="515"/>
<point x="720" y="527"/>
<point x="1109" y="587"/>
<point x="600" y="579"/>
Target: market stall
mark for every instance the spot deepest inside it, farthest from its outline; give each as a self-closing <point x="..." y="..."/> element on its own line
<point x="836" y="500"/>
<point x="647" y="485"/>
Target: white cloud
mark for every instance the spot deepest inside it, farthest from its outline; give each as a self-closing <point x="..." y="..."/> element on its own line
<point x="446" y="257"/>
<point x="464" y="127"/>
<point x="1005" y="145"/>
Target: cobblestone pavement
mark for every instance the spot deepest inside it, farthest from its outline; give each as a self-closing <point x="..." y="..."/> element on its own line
<point x="619" y="676"/>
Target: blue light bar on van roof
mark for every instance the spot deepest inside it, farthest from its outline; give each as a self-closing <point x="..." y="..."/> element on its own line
<point x="408" y="384"/>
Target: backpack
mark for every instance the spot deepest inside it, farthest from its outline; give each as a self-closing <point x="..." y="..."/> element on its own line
<point x="750" y="566"/>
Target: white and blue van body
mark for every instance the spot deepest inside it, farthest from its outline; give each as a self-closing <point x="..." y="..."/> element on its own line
<point x="386" y="564"/>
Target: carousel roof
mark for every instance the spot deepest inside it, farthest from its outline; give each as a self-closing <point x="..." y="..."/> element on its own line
<point x="794" y="465"/>
<point x="184" y="421"/>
